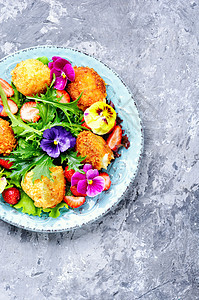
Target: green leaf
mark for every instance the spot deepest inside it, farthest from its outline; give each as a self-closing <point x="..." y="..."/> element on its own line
<point x="18" y="98"/>
<point x="55" y="211"/>
<point x="73" y="161"/>
<point x="18" y="125"/>
<point x="43" y="59"/>
<point x="26" y="205"/>
<point x="42" y="168"/>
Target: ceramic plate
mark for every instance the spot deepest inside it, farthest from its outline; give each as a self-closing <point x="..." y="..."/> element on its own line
<point x="122" y="171"/>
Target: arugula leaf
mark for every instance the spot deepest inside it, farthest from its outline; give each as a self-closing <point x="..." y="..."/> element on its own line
<point x="73" y="161"/>
<point x="19" y="127"/>
<point x="18" y="98"/>
<point x="42" y="168"/>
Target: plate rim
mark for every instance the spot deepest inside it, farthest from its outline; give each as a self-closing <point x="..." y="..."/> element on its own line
<point x="142" y="144"/>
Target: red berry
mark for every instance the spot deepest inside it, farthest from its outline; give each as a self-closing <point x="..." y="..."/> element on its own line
<point x="74" y="202"/>
<point x="75" y="192"/>
<point x="68" y="173"/>
<point x="12" y="105"/>
<point x="115" y="138"/>
<point x="5" y="163"/>
<point x="7" y="88"/>
<point x="11" y="195"/>
<point x="65" y="98"/>
<point x="107" y="180"/>
<point x="29" y="112"/>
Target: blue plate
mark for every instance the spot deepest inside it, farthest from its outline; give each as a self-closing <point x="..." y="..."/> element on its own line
<point x="122" y="171"/>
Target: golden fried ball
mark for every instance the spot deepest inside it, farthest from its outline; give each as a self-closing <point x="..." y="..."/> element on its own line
<point x="94" y="147"/>
<point x="7" y="138"/>
<point x="31" y="77"/>
<point x="88" y="81"/>
<point x="45" y="193"/>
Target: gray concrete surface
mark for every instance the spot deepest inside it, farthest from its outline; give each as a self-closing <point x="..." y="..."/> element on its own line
<point x="147" y="248"/>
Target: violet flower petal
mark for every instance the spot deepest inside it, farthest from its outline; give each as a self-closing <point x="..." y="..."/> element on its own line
<point x="54" y="58"/>
<point x="90" y="174"/>
<point x="50" y="134"/>
<point x="49" y="147"/>
<point x="76" y="177"/>
<point x="56" y="72"/>
<point x="64" y="144"/>
<point x="54" y="151"/>
<point x="50" y="65"/>
<point x="96" y="187"/>
<point x="60" y="83"/>
<point x="87" y="167"/>
<point x="72" y="142"/>
<point x="60" y="63"/>
<point x="69" y="71"/>
<point x="1" y="108"/>
<point x="82" y="186"/>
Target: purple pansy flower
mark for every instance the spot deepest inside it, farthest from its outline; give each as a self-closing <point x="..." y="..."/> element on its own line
<point x="56" y="140"/>
<point x="63" y="71"/>
<point x="1" y="108"/>
<point x="89" y="183"/>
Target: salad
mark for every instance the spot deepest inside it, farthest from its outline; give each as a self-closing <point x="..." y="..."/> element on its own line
<point x="57" y="135"/>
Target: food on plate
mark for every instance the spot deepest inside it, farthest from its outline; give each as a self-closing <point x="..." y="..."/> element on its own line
<point x="45" y="192"/>
<point x="100" y="117"/>
<point x="7" y="138"/>
<point x="58" y="135"/>
<point x="31" y="77"/>
<point x="88" y="81"/>
<point x="94" y="147"/>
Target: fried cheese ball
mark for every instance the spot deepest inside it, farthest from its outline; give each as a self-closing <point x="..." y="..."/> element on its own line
<point x="31" y="77"/>
<point x="90" y="83"/>
<point x="7" y="138"/>
<point x="45" y="193"/>
<point x="94" y="147"/>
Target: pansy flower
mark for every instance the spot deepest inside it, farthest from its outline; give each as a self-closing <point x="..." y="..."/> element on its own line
<point x="63" y="71"/>
<point x="1" y="108"/>
<point x="90" y="183"/>
<point x="56" y="140"/>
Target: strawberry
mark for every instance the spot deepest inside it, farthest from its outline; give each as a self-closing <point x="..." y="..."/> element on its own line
<point x="5" y="163"/>
<point x="75" y="192"/>
<point x="115" y="138"/>
<point x="65" y="98"/>
<point x="7" y="88"/>
<point x="74" y="202"/>
<point x="84" y="124"/>
<point x="13" y="108"/>
<point x="29" y="112"/>
<point x="68" y="173"/>
<point x="11" y="195"/>
<point x="107" y="180"/>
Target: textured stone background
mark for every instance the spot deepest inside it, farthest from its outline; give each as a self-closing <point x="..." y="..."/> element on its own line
<point x="147" y="248"/>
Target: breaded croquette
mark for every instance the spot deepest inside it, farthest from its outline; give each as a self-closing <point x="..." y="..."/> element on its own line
<point x="94" y="147"/>
<point x="7" y="138"/>
<point x="45" y="193"/>
<point x="90" y="83"/>
<point x="31" y="77"/>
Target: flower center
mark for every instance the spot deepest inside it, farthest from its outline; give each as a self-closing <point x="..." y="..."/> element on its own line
<point x="63" y="75"/>
<point x="90" y="181"/>
<point x="55" y="142"/>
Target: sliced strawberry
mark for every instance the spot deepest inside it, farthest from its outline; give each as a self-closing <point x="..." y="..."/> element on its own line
<point x="11" y="195"/>
<point x="13" y="108"/>
<point x="74" y="202"/>
<point x="107" y="180"/>
<point x="115" y="138"/>
<point x="7" y="88"/>
<point x="68" y="173"/>
<point x="29" y="112"/>
<point x="65" y="98"/>
<point x="5" y="163"/>
<point x="85" y="125"/>
<point x="75" y="192"/>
